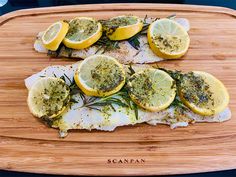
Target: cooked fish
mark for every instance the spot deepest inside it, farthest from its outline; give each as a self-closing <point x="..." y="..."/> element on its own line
<point x="76" y="116"/>
<point x="124" y="54"/>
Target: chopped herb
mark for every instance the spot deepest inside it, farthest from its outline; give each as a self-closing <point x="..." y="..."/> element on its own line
<point x="72" y="100"/>
<point x="56" y="53"/>
<point x="105" y="44"/>
<point x="74" y="89"/>
<point x="54" y="75"/>
<point x="178" y="103"/>
<point x="193" y="88"/>
<point x="47" y="120"/>
<point x="81" y="29"/>
<point x="131" y="70"/>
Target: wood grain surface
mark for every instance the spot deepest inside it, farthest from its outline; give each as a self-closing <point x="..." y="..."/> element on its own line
<point x="28" y="145"/>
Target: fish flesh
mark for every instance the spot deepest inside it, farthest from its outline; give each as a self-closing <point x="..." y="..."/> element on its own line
<point x="124" y="54"/>
<point x="107" y="119"/>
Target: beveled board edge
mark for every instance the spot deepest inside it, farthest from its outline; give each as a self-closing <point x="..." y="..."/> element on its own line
<point x="105" y="7"/>
<point x="116" y="6"/>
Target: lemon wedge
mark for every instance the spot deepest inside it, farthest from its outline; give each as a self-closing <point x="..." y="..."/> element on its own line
<point x="123" y="27"/>
<point x="54" y="35"/>
<point x="83" y="32"/>
<point x="100" y="75"/>
<point x="48" y="97"/>
<point x="203" y="93"/>
<point x="152" y="89"/>
<point x="168" y="39"/>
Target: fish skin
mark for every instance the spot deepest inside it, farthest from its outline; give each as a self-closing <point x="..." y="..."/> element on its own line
<point x="78" y="117"/>
<point x="125" y="54"/>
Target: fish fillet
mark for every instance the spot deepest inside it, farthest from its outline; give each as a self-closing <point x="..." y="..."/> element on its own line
<point x="77" y="117"/>
<point x="125" y="54"/>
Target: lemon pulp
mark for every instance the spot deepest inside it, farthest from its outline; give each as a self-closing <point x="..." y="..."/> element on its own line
<point x="54" y="35"/>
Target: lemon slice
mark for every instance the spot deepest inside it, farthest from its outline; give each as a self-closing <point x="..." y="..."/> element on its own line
<point x="152" y="89"/>
<point x="100" y="75"/>
<point x="48" y="97"/>
<point x="83" y="32"/>
<point x="54" y="35"/>
<point x="203" y="93"/>
<point x="168" y="39"/>
<point x="123" y="27"/>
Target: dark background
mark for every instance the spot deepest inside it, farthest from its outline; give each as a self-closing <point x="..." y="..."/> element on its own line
<point x="23" y="4"/>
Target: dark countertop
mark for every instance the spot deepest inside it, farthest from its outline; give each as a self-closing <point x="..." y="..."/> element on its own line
<point x="22" y="4"/>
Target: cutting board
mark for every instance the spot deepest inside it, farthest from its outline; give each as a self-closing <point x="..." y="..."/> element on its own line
<point x="26" y="144"/>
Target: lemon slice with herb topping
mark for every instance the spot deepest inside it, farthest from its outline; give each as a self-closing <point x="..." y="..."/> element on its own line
<point x="168" y="39"/>
<point x="100" y="75"/>
<point x="123" y="27"/>
<point x="203" y="93"/>
<point x="152" y="89"/>
<point x="54" y="35"/>
<point x="83" y="32"/>
<point x="48" y="97"/>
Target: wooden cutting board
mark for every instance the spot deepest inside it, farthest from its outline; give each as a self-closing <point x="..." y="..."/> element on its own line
<point x="28" y="145"/>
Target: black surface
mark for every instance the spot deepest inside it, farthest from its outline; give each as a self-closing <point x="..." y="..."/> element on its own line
<point x="23" y="4"/>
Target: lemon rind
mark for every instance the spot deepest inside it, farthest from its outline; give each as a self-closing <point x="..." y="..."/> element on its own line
<point x="160" y="53"/>
<point x="93" y="92"/>
<point x="86" y="42"/>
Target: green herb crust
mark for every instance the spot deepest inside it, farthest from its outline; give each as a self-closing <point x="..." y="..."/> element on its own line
<point x="195" y="90"/>
<point x="81" y="30"/>
<point x="106" y="76"/>
<point x="142" y="82"/>
<point x="192" y="87"/>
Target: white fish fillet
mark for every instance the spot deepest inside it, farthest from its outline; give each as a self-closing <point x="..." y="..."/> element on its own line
<point x="125" y="54"/>
<point x="85" y="118"/>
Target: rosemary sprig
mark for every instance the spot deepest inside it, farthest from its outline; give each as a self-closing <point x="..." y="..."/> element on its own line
<point x="121" y="99"/>
<point x="172" y="16"/>
<point x="175" y="74"/>
<point x="106" y="101"/>
<point x="56" y="53"/>
<point x="95" y="102"/>
<point x="74" y="89"/>
<point x="106" y="44"/>
<point x="62" y="51"/>
<point x="133" y="41"/>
